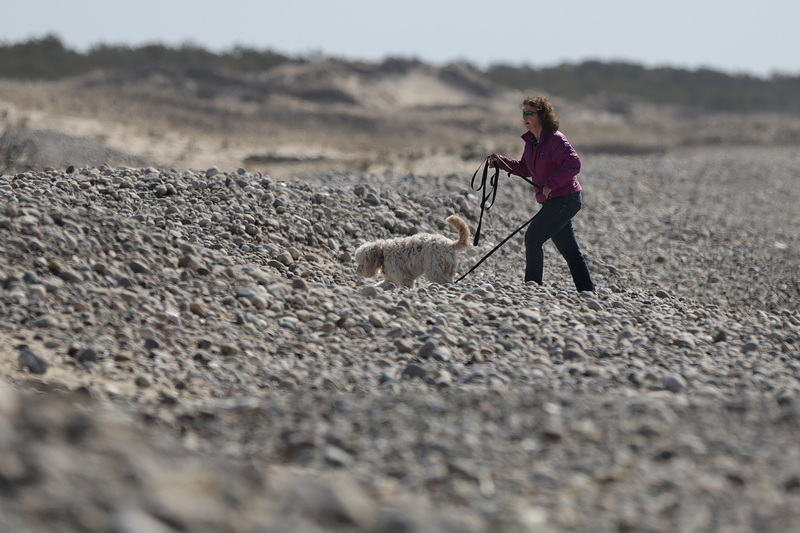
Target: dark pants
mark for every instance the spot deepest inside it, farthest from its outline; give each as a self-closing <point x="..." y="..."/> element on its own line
<point x="554" y="221"/>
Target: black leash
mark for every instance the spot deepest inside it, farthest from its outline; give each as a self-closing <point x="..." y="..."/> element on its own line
<point x="485" y="257"/>
<point x="485" y="195"/>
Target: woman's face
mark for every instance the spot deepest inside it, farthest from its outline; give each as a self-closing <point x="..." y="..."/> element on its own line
<point x="531" y="119"/>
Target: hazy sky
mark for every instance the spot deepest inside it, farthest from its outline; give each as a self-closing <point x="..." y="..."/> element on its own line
<point x="760" y="38"/>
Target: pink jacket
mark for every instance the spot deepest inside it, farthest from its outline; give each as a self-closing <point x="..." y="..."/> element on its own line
<point x="551" y="163"/>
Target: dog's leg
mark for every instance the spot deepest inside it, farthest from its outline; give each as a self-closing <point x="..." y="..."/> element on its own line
<point x="400" y="263"/>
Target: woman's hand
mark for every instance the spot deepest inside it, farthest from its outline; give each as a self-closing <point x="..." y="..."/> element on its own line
<point x="546" y="191"/>
<point x="494" y="161"/>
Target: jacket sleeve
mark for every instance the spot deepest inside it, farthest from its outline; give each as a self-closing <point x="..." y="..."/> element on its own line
<point x="515" y="166"/>
<point x="567" y="161"/>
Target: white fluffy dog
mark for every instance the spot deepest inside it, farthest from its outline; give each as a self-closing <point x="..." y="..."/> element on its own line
<point x="404" y="259"/>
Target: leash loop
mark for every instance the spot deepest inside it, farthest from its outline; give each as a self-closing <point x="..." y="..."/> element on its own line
<point x="488" y="191"/>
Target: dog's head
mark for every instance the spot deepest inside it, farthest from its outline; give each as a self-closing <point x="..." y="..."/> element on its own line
<point x="368" y="260"/>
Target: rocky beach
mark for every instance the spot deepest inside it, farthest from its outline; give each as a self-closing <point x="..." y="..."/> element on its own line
<point x="189" y="349"/>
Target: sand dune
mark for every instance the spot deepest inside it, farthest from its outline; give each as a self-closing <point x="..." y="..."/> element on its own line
<point x="401" y="115"/>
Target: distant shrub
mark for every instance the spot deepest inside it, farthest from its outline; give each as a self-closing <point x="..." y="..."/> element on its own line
<point x="48" y="59"/>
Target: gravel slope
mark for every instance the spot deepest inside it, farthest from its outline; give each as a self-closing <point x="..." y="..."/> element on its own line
<point x="190" y="351"/>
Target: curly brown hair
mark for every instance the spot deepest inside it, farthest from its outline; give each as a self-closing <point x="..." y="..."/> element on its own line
<point x="545" y="110"/>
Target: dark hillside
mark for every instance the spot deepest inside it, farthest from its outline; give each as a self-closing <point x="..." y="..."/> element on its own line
<point x="703" y="88"/>
<point x="47" y="59"/>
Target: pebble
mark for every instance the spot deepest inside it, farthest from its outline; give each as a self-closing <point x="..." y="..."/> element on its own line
<point x="222" y="308"/>
<point x="673" y="383"/>
<point x="32" y="362"/>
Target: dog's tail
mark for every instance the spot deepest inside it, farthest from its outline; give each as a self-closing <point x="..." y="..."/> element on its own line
<point x="463" y="231"/>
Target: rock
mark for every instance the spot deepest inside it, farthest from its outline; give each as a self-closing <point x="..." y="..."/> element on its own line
<point x="285" y="258"/>
<point x="413" y="370"/>
<point x="32" y="362"/>
<point x="673" y="383"/>
<point x="574" y="353"/>
<point x="87" y="355"/>
<point x="199" y="308"/>
<point x="378" y="319"/>
<point x="750" y="346"/>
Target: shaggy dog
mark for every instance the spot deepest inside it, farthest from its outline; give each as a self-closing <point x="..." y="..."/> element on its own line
<point x="404" y="259"/>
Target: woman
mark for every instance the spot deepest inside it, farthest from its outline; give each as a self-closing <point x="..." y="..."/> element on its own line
<point x="553" y="166"/>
